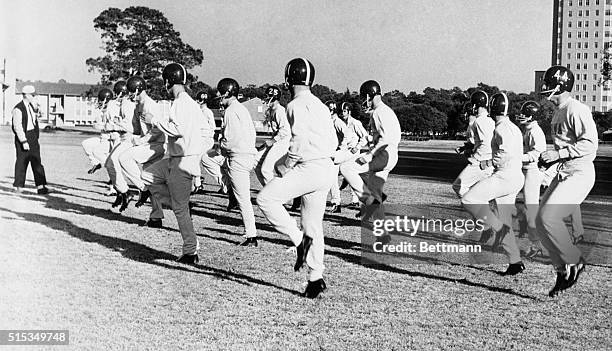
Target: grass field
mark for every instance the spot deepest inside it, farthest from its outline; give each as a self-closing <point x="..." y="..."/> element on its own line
<point x="69" y="262"/>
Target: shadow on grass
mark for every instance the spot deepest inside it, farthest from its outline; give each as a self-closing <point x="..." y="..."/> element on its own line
<point x="139" y="252"/>
<point x="143" y="253"/>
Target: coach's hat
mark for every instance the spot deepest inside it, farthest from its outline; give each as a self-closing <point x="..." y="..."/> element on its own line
<point x="28" y="89"/>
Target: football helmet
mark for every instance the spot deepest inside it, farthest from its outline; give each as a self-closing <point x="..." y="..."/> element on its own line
<point x="202" y="97"/>
<point x="227" y="87"/>
<point x="120" y="89"/>
<point x="367" y="91"/>
<point x="528" y="111"/>
<point x="299" y="71"/>
<point x="104" y="96"/>
<point x="499" y="105"/>
<point x="467" y="111"/>
<point x="272" y="94"/>
<point x="479" y="99"/>
<point x="331" y="105"/>
<point x="174" y="73"/>
<point x="557" y="80"/>
<point x="135" y="86"/>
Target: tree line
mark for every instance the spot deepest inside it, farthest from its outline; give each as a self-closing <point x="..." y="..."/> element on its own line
<point x="141" y="40"/>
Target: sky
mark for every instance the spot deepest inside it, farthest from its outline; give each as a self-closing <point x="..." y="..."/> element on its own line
<point x="406" y="45"/>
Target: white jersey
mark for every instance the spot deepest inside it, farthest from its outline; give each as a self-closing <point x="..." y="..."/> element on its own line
<point x="574" y="134"/>
<point x="507" y="146"/>
<point x="534" y="143"/>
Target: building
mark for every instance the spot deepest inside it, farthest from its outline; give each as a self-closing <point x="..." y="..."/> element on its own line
<point x="582" y="30"/>
<point x="61" y="103"/>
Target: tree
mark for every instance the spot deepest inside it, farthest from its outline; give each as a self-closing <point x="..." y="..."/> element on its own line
<point x="140" y="39"/>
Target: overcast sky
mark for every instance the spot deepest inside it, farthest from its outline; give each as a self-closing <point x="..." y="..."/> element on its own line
<point x="404" y="44"/>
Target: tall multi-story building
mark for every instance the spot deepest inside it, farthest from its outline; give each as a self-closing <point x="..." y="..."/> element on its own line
<point x="582" y="30"/>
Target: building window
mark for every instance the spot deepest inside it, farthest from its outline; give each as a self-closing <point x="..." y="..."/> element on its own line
<point x="583" y="98"/>
<point x="580" y="13"/>
<point x="596" y="43"/>
<point x="587" y="2"/>
<point x="596" y="23"/>
<point x="569" y="45"/>
<point x="577" y="97"/>
<point x="595" y="55"/>
<point x="594" y="88"/>
<point x="578" y="55"/>
<point x="579" y="34"/>
<point x="596" y="12"/>
<point x="586" y="23"/>
<point x="586" y="34"/>
<point x="586" y="44"/>
<point x="569" y="24"/>
<point x="577" y="66"/>
<point x="568" y="66"/>
<point x="607" y="34"/>
<point x="569" y="56"/>
<point x="607" y="23"/>
<point x="579" y="45"/>
<point x="569" y="34"/>
<point x="596" y="36"/>
<point x="592" y="108"/>
<point x="585" y="66"/>
<point x="570" y="3"/>
<point x="595" y="66"/>
<point x="577" y="77"/>
<point x="586" y="55"/>
<point x="569" y="13"/>
<point x="577" y="87"/>
<point x="596" y="2"/>
<point x="586" y="13"/>
<point x="579" y="24"/>
<point x="604" y="98"/>
<point x="584" y="87"/>
<point x="584" y="77"/>
<point x="580" y="3"/>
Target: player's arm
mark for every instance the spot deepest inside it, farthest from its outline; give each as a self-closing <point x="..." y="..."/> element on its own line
<point x="537" y="145"/>
<point x="502" y="138"/>
<point x="584" y="128"/>
<point x="18" y="126"/>
<point x="298" y="121"/>
<point x="172" y="125"/>
<point x="284" y="129"/>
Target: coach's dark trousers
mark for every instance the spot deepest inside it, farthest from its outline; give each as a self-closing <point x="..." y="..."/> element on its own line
<point x="25" y="157"/>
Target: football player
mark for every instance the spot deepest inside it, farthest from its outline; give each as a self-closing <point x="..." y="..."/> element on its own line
<point x="172" y="178"/>
<point x="237" y="145"/>
<point x="375" y="164"/>
<point x="575" y="139"/>
<point x="147" y="148"/>
<point x="502" y="185"/>
<point x="534" y="143"/>
<point x="98" y="148"/>
<point x="479" y="135"/>
<point x="306" y="172"/>
<point x="271" y="152"/>
<point x="123" y="126"/>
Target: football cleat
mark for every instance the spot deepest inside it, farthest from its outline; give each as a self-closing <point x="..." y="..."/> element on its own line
<point x="313" y="289"/>
<point x="514" y="268"/>
<point x="188" y="259"/>
<point x="249" y="242"/>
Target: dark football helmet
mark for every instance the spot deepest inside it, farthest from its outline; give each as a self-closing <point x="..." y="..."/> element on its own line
<point x="369" y="88"/>
<point x="499" y="105"/>
<point x="227" y="87"/>
<point x="202" y="97"/>
<point x="331" y="105"/>
<point x="299" y="71"/>
<point x="557" y="80"/>
<point x="104" y="96"/>
<point x="120" y="89"/>
<point x="135" y="85"/>
<point x="528" y="111"/>
<point x="479" y="99"/>
<point x="272" y="94"/>
<point x="174" y="73"/>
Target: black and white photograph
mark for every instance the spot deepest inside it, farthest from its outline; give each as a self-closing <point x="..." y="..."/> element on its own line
<point x="306" y="175"/>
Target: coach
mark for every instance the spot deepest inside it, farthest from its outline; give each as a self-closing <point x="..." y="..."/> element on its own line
<point x="25" y="128"/>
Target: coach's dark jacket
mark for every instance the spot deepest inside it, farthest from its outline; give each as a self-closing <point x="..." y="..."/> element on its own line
<point x="25" y="157"/>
